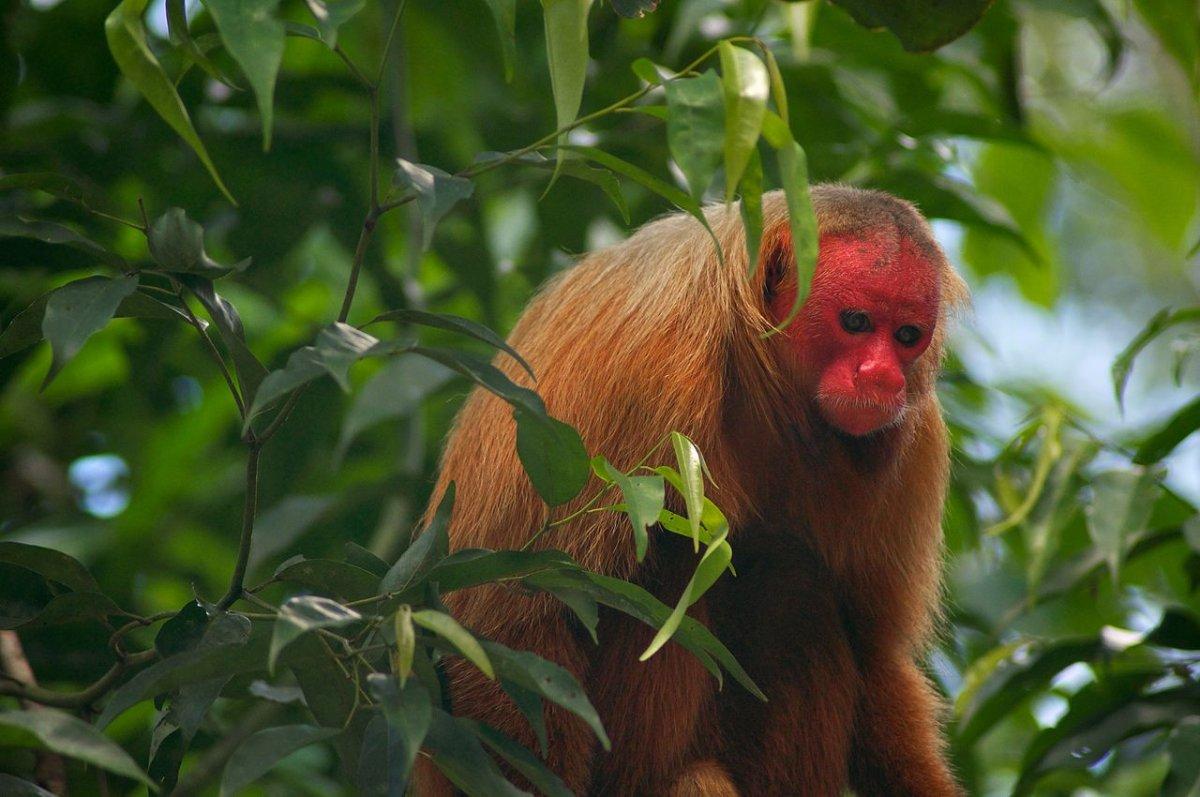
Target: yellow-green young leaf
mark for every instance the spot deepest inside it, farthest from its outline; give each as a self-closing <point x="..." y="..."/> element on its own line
<point x="687" y="456"/>
<point x="254" y="37"/>
<point x="778" y="92"/>
<point x="716" y="558"/>
<point x="127" y="41"/>
<point x="406" y="642"/>
<point x="751" y="208"/>
<point x="567" y="54"/>
<point x="802" y="220"/>
<point x="448" y="629"/>
<point x="747" y="86"/>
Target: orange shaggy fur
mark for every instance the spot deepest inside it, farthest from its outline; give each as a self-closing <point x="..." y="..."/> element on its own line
<point x="837" y="541"/>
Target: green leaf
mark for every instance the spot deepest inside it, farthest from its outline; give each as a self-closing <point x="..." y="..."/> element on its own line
<point x="50" y="564"/>
<point x="448" y="628"/>
<point x="284" y="523"/>
<point x="59" y="732"/>
<point x="751" y="210"/>
<point x="547" y="679"/>
<point x="695" y="128"/>
<point x="920" y="25"/>
<point x="487" y="376"/>
<point x="70" y="607"/>
<point x="429" y="548"/>
<point x="505" y="14"/>
<point x="338" y="346"/>
<point x="644" y="497"/>
<point x="254" y="38"/>
<point x="453" y="323"/>
<point x="396" y="390"/>
<point x="473" y="566"/>
<point x="76" y="311"/>
<point x="458" y="754"/>
<point x="250" y="372"/>
<point x="406" y="642"/>
<point x="257" y="755"/>
<point x="1183" y="779"/>
<point x="332" y="14"/>
<point x="59" y="235"/>
<point x="802" y="220"/>
<point x="571" y="166"/>
<point x="127" y="41"/>
<point x="52" y="183"/>
<point x="713" y="563"/>
<point x="1182" y="424"/>
<point x="553" y="456"/>
<point x="436" y="192"/>
<point x="747" y="86"/>
<point x="362" y="558"/>
<point x="305" y="613"/>
<point x="183" y="631"/>
<point x="26" y="327"/>
<point x="408" y="711"/>
<point x="177" y="244"/>
<point x="177" y="26"/>
<point x="691" y="486"/>
<point x="525" y="762"/>
<point x="329" y="577"/>
<point x="1120" y="509"/>
<point x="567" y="54"/>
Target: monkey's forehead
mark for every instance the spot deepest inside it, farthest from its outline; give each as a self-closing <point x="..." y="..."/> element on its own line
<point x="882" y="264"/>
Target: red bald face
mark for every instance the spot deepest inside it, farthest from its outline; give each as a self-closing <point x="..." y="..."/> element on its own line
<point x="871" y="313"/>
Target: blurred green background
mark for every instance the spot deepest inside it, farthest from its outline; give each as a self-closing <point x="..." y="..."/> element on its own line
<point x="1056" y="146"/>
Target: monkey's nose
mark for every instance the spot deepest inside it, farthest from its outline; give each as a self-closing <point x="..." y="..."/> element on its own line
<point x="880" y="377"/>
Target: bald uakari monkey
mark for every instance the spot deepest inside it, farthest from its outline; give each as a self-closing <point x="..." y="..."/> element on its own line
<point x="828" y="454"/>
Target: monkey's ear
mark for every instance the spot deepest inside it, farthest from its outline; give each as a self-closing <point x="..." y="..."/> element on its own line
<point x="775" y="262"/>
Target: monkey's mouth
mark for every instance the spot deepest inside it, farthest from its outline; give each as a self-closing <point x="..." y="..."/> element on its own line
<point x="859" y="415"/>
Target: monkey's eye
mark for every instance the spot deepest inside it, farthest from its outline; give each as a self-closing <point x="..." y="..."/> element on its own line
<point x="908" y="335"/>
<point x="854" y="321"/>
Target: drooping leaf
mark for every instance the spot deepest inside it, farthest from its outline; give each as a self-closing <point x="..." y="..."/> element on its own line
<point x="362" y="558"/>
<point x="76" y="311"/>
<point x="257" y="755"/>
<point x="408" y="711"/>
<point x="691" y="475"/>
<point x="547" y="679"/>
<point x="436" y="192"/>
<point x="751" y="210"/>
<point x="284" y="523"/>
<point x="49" y="563"/>
<point x="553" y="456"/>
<point x="920" y="25"/>
<point x="1120" y="508"/>
<point x="177" y="26"/>
<point x="802" y="219"/>
<point x="643" y="496"/>
<point x="471" y="567"/>
<point x="305" y="613"/>
<point x="250" y="372"/>
<point x="54" y="233"/>
<point x="15" y="787"/>
<point x="65" y="609"/>
<point x="126" y="36"/>
<point x="328" y="577"/>
<point x="460" y="757"/>
<point x="448" y="628"/>
<point x="59" y="732"/>
<point x="567" y="54"/>
<point x="505" y="14"/>
<point x="522" y="760"/>
<point x="695" y="128"/>
<point x="254" y="38"/>
<point x="1182" y="424"/>
<point x="571" y="166"/>
<point x="453" y="323"/>
<point x="746" y="86"/>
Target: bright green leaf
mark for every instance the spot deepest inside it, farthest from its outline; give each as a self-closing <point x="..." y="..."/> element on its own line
<point x="747" y="86"/>
<point x="695" y="127"/>
<point x="448" y="628"/>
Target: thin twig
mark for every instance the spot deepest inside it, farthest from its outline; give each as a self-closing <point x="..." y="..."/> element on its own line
<point x="249" y="509"/>
<point x="87" y="696"/>
<point x="213" y="352"/>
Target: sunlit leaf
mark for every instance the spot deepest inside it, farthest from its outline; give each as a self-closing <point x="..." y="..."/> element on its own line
<point x="306" y="613"/>
<point x="751" y="210"/>
<point x="644" y="496"/>
<point x="448" y="628"/>
<point x="746" y="87"/>
<point x="695" y="126"/>
<point x="567" y="54"/>
<point x="802" y="219"/>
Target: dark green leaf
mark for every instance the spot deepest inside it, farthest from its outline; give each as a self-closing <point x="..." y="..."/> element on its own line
<point x="453" y="323"/>
<point x="126" y="36"/>
<point x="305" y="613"/>
<point x="429" y="548"/>
<point x="329" y="577"/>
<point x="284" y="523"/>
<point x="250" y="371"/>
<point x="177" y="245"/>
<point x="52" y="233"/>
<point x="50" y="564"/>
<point x="408" y="711"/>
<point x="505" y="14"/>
<point x="332" y="14"/>
<point x="52" y="183"/>
<point x="398" y="389"/>
<point x="696" y="128"/>
<point x="1120" y="509"/>
<point x="522" y="760"/>
<point x="487" y="376"/>
<point x="751" y="209"/>
<point x="471" y="567"/>
<point x="177" y="26"/>
<point x="257" y="755"/>
<point x="73" y="607"/>
<point x="634" y="9"/>
<point x="362" y="558"/>
<point x="254" y="37"/>
<point x="61" y="733"/>
<point x="553" y="456"/>
<point x="76" y="311"/>
<point x="436" y="192"/>
<point x="920" y="25"/>
<point x="571" y="166"/>
<point x="1178" y="427"/>
<point x="448" y="628"/>
<point x="15" y="787"/>
<point x="183" y="631"/>
<point x="1183" y="779"/>
<point x="547" y="679"/>
<point x="458" y="754"/>
<point x="802" y="220"/>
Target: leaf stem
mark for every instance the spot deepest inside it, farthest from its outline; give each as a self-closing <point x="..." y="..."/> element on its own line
<point x="213" y="351"/>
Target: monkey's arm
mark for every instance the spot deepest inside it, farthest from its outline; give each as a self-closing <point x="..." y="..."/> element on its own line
<point x="898" y="748"/>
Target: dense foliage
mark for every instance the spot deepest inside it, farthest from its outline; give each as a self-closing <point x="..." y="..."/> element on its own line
<point x="267" y="244"/>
